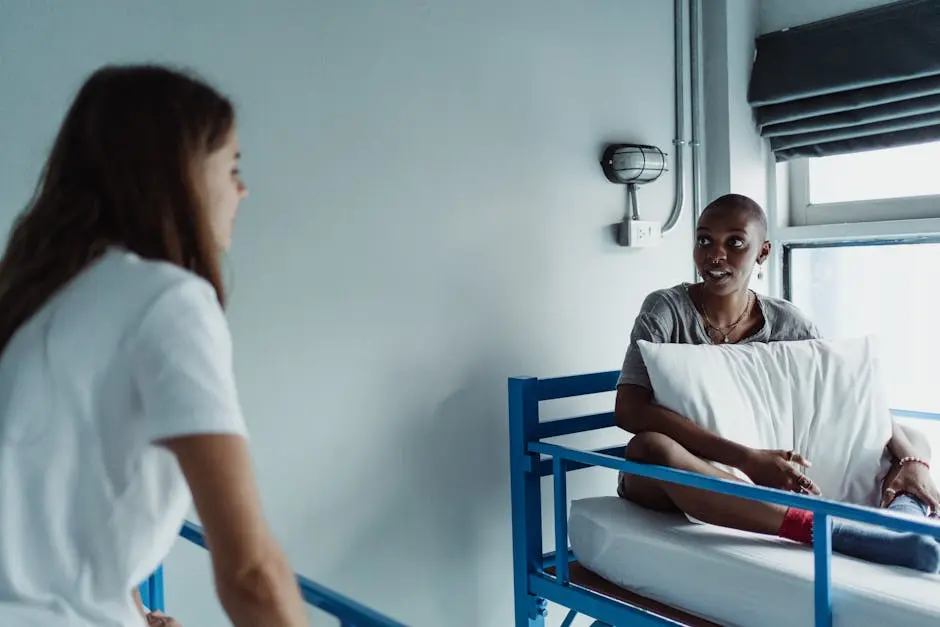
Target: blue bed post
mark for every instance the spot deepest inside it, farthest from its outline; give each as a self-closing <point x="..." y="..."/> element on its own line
<point x="525" y="484"/>
<point x="151" y="591"/>
<point x="144" y="590"/>
<point x="157" y="600"/>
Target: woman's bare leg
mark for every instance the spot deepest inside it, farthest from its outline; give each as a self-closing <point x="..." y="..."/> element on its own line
<point x="709" y="507"/>
<point x="873" y="544"/>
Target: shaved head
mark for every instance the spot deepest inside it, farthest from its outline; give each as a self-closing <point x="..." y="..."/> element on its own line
<point x="738" y="203"/>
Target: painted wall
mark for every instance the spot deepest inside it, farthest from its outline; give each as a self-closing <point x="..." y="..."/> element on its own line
<point x="427" y="218"/>
<point x="735" y="155"/>
<point x="777" y="14"/>
<point x="735" y="152"/>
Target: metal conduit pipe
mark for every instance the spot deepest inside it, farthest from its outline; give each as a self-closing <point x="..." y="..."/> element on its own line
<point x="696" y="60"/>
<point x="680" y="141"/>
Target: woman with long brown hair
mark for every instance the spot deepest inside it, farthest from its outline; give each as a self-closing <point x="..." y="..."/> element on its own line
<point x="118" y="405"/>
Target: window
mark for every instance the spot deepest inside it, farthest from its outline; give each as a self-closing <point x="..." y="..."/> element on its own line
<point x="886" y="289"/>
<point x="875" y="175"/>
<point x="876" y="185"/>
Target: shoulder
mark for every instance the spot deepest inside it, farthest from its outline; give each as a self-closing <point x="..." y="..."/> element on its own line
<point x="155" y="297"/>
<point x="783" y="309"/>
<point x="148" y="281"/>
<point x="664" y="304"/>
<point x="786" y="321"/>
<point x="662" y="312"/>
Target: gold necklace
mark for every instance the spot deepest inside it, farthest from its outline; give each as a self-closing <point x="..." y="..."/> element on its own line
<point x="727" y="331"/>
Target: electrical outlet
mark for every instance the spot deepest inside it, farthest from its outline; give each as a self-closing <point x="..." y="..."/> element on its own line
<point x="644" y="233"/>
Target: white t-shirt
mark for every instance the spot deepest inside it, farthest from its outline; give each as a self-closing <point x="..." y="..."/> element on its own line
<point x="128" y="353"/>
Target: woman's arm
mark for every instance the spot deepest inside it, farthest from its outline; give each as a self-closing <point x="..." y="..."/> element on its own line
<point x="139" y="603"/>
<point x="634" y="408"/>
<point x="907" y="442"/>
<point x="182" y="365"/>
<point x="636" y="412"/>
<point x="155" y="619"/>
<point x="254" y="581"/>
<point x="912" y="478"/>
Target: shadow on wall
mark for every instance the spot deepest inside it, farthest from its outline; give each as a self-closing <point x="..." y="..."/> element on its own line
<point x="434" y="518"/>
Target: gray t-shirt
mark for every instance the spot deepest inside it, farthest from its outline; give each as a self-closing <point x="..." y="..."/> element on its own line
<point x="669" y="316"/>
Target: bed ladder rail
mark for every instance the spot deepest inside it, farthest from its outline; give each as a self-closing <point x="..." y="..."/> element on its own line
<point x="350" y="613"/>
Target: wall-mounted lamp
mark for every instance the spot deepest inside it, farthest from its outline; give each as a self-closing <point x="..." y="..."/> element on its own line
<point x="632" y="165"/>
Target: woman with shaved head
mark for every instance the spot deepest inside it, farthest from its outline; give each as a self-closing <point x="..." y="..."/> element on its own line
<point x="730" y="242"/>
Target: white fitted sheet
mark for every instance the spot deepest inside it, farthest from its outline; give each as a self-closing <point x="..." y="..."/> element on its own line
<point x="737" y="578"/>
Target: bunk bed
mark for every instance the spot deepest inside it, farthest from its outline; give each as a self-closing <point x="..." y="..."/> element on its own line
<point x="636" y="568"/>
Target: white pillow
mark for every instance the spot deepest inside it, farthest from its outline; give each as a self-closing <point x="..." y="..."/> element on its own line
<point x="821" y="398"/>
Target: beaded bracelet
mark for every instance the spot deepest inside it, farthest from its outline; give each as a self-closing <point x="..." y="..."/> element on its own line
<point x="914" y="460"/>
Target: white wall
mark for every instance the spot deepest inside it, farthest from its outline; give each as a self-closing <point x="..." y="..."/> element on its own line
<point x="777" y="14"/>
<point x="748" y="151"/>
<point x="735" y="155"/>
<point x="427" y="217"/>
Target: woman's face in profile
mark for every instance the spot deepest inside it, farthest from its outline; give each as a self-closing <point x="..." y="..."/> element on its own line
<point x="222" y="189"/>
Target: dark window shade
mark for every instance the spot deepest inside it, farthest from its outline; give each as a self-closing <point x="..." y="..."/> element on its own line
<point x="861" y="81"/>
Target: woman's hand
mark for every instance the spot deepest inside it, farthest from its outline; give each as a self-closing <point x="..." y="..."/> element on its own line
<point x="772" y="469"/>
<point x="159" y="619"/>
<point x="914" y="479"/>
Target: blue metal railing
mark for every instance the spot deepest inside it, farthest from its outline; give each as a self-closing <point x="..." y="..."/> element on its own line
<point x="349" y="612"/>
<point x="533" y="586"/>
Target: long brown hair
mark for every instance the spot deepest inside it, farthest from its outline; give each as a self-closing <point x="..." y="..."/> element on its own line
<point x="120" y="173"/>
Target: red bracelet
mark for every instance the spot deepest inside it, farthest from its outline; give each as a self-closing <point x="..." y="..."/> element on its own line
<point x="914" y="460"/>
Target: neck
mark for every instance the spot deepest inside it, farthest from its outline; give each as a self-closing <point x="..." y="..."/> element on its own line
<point x="724" y="309"/>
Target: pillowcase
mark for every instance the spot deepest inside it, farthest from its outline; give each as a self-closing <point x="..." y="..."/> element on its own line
<point x="821" y="398"/>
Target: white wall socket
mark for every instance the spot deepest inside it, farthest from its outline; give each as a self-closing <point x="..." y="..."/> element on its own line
<point x="644" y="233"/>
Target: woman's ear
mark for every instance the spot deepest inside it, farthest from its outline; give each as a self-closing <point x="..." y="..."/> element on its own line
<point x="764" y="253"/>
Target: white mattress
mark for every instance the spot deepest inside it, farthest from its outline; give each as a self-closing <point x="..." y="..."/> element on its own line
<point x="736" y="578"/>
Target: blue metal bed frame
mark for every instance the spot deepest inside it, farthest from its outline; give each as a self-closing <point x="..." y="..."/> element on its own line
<point x="349" y="613"/>
<point x="535" y="582"/>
